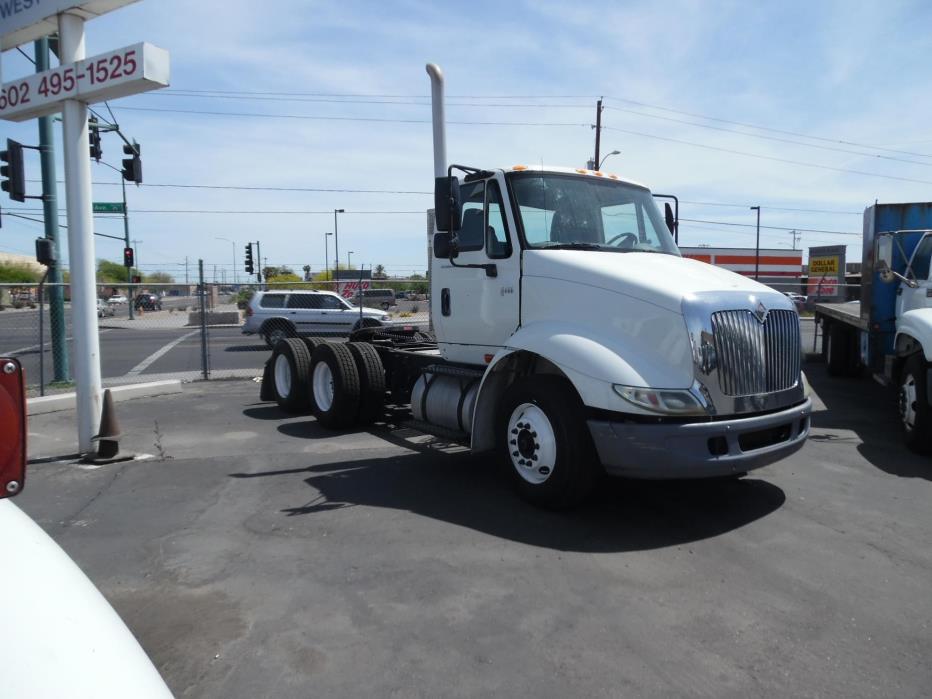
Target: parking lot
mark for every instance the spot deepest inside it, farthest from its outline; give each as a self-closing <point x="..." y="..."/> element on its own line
<point x="255" y="554"/>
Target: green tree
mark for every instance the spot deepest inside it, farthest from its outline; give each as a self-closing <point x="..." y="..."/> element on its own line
<point x="11" y="273"/>
<point x="287" y="278"/>
<point x="379" y="272"/>
<point x="112" y="272"/>
<point x="159" y="278"/>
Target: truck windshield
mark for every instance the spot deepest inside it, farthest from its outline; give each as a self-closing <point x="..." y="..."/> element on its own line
<point x="589" y="213"/>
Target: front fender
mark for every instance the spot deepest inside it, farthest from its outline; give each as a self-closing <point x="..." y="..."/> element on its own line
<point x="916" y="324"/>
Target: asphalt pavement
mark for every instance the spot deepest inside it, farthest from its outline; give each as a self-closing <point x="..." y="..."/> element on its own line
<point x="155" y="344"/>
<point x="257" y="554"/>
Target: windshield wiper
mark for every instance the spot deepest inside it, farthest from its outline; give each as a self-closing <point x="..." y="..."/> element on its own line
<point x="571" y="246"/>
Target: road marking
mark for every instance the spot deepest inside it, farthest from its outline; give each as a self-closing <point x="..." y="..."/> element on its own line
<point x="144" y="364"/>
<point x="48" y="346"/>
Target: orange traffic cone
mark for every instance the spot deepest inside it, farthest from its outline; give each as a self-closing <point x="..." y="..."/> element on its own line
<point x="108" y="446"/>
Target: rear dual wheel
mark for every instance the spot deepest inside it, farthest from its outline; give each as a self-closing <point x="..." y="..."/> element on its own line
<point x="347" y="384"/>
<point x="289" y="370"/>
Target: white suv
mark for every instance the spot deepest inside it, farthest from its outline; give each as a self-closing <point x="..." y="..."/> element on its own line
<point x="285" y="313"/>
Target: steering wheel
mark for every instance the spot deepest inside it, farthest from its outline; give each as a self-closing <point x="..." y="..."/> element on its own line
<point x="630" y="240"/>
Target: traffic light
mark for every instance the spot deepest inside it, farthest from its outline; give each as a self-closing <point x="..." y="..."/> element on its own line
<point x="94" y="135"/>
<point x="128" y="257"/>
<point x="132" y="166"/>
<point x="13" y="171"/>
<point x="250" y="268"/>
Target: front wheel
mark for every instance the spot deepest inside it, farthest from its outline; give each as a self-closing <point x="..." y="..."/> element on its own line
<point x="545" y="443"/>
<point x="913" y="401"/>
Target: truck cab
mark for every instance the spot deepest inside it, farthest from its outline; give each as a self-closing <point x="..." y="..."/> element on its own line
<point x="570" y="339"/>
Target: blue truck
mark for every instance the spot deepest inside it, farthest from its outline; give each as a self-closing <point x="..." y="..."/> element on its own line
<point x="889" y="332"/>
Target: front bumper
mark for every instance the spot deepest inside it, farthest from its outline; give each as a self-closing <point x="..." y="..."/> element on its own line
<point x="700" y="449"/>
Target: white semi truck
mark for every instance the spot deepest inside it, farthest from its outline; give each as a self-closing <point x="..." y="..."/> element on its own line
<point x="570" y="338"/>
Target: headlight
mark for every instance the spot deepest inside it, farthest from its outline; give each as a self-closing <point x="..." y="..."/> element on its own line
<point x="662" y="400"/>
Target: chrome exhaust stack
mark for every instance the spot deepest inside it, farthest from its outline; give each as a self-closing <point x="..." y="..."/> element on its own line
<point x="439" y="119"/>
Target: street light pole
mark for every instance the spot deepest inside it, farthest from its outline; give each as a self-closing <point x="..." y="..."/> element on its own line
<point x="348" y="254"/>
<point x="614" y="152"/>
<point x="757" y="246"/>
<point x="336" y="240"/>
<point x="327" y="256"/>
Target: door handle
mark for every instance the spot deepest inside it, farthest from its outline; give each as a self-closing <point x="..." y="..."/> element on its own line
<point x="445" y="302"/>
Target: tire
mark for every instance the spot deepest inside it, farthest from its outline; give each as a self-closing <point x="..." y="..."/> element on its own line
<point x="366" y="323"/>
<point x="313" y="342"/>
<point x="275" y="330"/>
<point x="913" y="403"/>
<point x="840" y="355"/>
<point x="291" y="369"/>
<point x="371" y="382"/>
<point x="546" y="408"/>
<point x="335" y="392"/>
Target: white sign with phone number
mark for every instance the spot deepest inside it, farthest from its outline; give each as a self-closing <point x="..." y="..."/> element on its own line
<point x="127" y="71"/>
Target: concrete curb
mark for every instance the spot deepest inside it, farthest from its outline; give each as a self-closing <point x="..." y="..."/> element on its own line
<point x="66" y="401"/>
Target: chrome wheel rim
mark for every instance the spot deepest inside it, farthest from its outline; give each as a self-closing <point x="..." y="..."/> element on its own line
<point x="323" y="386"/>
<point x="908" y="402"/>
<point x="282" y="376"/>
<point x="532" y="443"/>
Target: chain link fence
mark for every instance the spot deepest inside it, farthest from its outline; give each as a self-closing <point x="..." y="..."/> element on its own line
<point x="149" y="332"/>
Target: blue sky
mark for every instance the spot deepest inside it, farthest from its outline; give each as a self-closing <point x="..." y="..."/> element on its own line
<point x="847" y="73"/>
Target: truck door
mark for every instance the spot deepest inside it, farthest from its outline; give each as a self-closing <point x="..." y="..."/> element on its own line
<point x="474" y="313"/>
<point x="909" y="299"/>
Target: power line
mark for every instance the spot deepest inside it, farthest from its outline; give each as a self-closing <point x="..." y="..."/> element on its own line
<point x="767" y="128"/>
<point x="773" y="228"/>
<point x="261" y="189"/>
<point x="766" y="157"/>
<point x="345" y="118"/>
<point x="773" y="208"/>
<point x="410" y="102"/>
<point x="775" y="138"/>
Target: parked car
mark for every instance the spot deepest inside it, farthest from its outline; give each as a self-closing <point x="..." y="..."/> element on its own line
<point x="147" y="302"/>
<point x="383" y="298"/>
<point x="281" y="313"/>
<point x="117" y="299"/>
<point x="103" y="309"/>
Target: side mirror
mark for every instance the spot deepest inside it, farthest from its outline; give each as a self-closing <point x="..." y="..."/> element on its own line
<point x="448" y="209"/>
<point x="444" y="246"/>
<point x="884" y="272"/>
<point x="12" y="427"/>
<point x="669" y="218"/>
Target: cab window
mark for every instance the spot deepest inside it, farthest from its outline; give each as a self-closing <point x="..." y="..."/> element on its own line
<point x="921" y="258"/>
<point x="471" y="235"/>
<point x="498" y="244"/>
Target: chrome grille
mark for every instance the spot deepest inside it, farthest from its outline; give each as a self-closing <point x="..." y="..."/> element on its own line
<point x="755" y="357"/>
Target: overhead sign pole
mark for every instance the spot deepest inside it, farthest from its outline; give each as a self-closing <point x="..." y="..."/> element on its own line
<point x="76" y="145"/>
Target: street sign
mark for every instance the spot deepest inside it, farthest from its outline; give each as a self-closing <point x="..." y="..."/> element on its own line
<point x="22" y="21"/>
<point x="126" y="71"/>
<point x="108" y="207"/>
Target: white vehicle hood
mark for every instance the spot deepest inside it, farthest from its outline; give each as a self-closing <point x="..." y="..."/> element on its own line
<point x="59" y="636"/>
<point x="662" y="280"/>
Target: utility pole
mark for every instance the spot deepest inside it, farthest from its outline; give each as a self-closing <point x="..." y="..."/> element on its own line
<point x="598" y="130"/>
<point x="186" y="270"/>
<point x="757" y="245"/>
<point x="796" y="237"/>
<point x="50" y="209"/>
<point x="326" y="258"/>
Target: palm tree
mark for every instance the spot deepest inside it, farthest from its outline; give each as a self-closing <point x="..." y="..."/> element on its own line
<point x="379" y="272"/>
